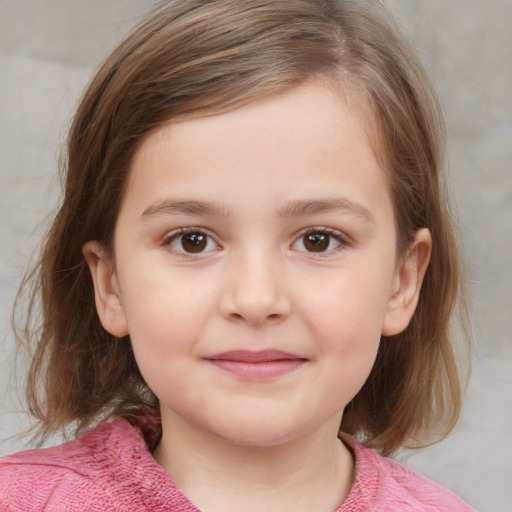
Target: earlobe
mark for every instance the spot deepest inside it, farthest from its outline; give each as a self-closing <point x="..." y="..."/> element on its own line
<point x="407" y="283"/>
<point x="106" y="288"/>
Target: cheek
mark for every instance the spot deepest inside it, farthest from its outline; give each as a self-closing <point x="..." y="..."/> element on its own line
<point x="350" y="306"/>
<point x="164" y="319"/>
<point x="161" y="300"/>
<point x="346" y="320"/>
<point x="351" y="339"/>
<point x="163" y="335"/>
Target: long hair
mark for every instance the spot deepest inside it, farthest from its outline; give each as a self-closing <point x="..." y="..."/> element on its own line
<point x="195" y="58"/>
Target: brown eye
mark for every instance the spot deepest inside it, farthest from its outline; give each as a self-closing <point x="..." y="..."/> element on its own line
<point x="316" y="242"/>
<point x="321" y="241"/>
<point x="193" y="243"/>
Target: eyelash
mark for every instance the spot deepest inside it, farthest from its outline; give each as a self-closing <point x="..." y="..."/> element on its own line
<point x="175" y="235"/>
<point x="339" y="237"/>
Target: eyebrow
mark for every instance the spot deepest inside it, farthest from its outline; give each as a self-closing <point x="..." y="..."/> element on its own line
<point x="291" y="209"/>
<point x="330" y="205"/>
<point x="185" y="207"/>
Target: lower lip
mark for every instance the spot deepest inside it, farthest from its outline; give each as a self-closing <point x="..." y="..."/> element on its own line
<point x="258" y="370"/>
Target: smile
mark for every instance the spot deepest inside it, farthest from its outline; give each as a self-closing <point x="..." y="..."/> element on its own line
<point x="263" y="364"/>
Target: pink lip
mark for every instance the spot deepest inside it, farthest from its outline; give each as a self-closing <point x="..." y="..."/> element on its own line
<point x="263" y="364"/>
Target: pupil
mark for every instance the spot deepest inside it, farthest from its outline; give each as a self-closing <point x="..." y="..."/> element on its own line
<point x="194" y="242"/>
<point x="316" y="242"/>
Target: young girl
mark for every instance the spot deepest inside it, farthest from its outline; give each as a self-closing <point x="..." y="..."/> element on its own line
<point x="247" y="290"/>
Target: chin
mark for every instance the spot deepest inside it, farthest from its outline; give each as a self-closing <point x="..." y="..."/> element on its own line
<point x="258" y="434"/>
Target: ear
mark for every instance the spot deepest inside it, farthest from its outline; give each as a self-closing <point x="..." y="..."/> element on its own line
<point x="405" y="290"/>
<point x="106" y="288"/>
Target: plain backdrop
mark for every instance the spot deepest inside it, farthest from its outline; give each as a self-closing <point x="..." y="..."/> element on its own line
<point x="47" y="53"/>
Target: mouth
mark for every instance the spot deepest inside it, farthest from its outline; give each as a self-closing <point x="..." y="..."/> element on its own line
<point x="257" y="365"/>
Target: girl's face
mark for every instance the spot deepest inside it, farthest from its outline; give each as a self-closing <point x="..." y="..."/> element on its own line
<point x="255" y="267"/>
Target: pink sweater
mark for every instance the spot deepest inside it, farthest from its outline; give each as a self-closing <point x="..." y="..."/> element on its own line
<point x="110" y="469"/>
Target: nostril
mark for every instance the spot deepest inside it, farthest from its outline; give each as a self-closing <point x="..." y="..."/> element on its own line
<point x="255" y="319"/>
<point x="254" y="298"/>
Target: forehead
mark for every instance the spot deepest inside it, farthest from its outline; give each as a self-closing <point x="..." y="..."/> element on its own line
<point x="299" y="141"/>
<point x="321" y="104"/>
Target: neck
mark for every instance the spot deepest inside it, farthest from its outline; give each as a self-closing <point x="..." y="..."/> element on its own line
<point x="311" y="472"/>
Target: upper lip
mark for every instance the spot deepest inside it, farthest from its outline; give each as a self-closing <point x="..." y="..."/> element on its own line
<point x="250" y="356"/>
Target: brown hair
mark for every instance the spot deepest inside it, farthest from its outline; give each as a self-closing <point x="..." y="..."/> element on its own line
<point x="196" y="58"/>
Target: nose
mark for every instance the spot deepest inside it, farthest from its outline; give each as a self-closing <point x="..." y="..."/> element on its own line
<point x="255" y="290"/>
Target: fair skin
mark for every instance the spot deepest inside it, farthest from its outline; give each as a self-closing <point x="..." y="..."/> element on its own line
<point x="259" y="323"/>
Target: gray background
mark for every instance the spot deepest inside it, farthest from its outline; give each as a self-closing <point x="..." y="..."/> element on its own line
<point x="47" y="52"/>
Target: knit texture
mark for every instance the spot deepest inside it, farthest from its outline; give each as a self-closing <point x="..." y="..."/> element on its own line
<point x="110" y="468"/>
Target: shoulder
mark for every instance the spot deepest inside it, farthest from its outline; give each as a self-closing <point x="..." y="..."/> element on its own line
<point x="77" y="474"/>
<point x="385" y="485"/>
